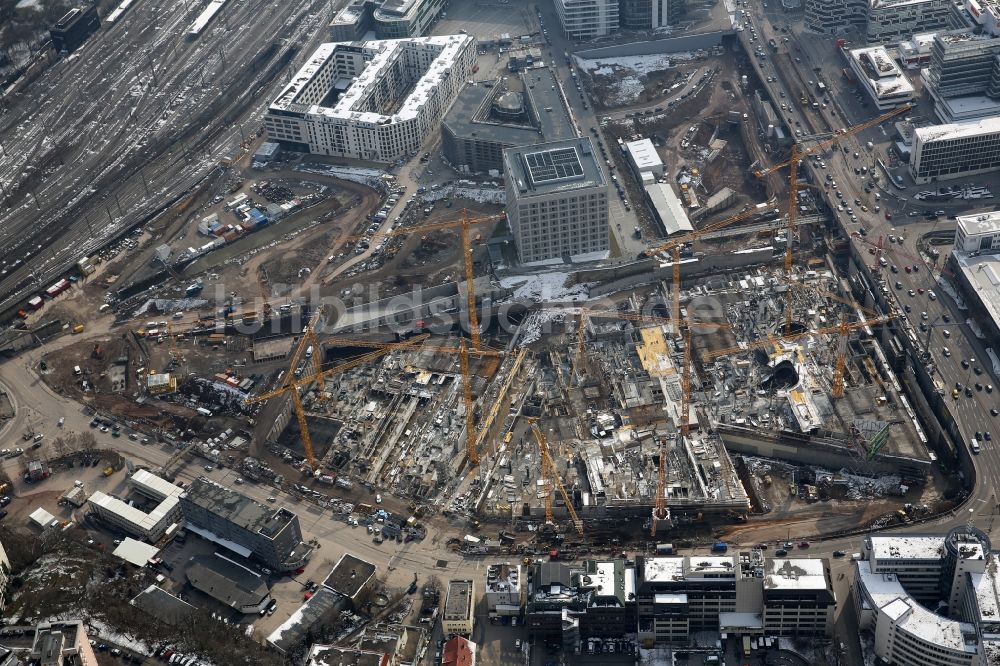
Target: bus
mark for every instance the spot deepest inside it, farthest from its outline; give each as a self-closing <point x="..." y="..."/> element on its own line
<point x="746" y="646"/>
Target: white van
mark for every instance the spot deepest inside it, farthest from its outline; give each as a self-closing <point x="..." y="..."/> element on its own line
<point x="975" y="446"/>
<point x="309" y="351"/>
<point x="178" y="315"/>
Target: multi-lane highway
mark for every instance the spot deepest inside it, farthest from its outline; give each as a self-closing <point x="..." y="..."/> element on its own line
<point x="971" y="413"/>
<point x="133" y="118"/>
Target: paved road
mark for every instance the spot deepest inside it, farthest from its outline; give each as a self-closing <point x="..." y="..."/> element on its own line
<point x="621" y="222"/>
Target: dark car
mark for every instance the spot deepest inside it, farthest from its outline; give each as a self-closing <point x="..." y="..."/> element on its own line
<point x="839" y="553"/>
<point x="781" y="552"/>
<point x="3" y="514"/>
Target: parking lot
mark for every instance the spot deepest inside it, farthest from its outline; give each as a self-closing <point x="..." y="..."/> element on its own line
<point x="487" y="20"/>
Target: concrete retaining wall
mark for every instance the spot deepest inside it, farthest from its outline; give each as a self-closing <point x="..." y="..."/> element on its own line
<point x="667" y="45"/>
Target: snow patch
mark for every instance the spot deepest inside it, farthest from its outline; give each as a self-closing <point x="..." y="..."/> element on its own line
<point x="549" y="286"/>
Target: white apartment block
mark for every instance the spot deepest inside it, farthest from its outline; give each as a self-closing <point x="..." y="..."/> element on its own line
<point x="957" y="150"/>
<point x="557" y="199"/>
<point x="586" y="19"/>
<point x="459" y="608"/>
<point x="372" y="101"/>
<point x="978" y="232"/>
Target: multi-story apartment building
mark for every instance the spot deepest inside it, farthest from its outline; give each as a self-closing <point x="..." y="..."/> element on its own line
<point x="459" y="608"/>
<point x="897" y="572"/>
<point x="650" y="14"/>
<point x="389" y="19"/>
<point x="835" y="16"/>
<point x="371" y="101"/>
<point x="978" y="232"/>
<point x="880" y="20"/>
<point x="557" y="199"/>
<point x="505" y="587"/>
<point x="248" y="528"/>
<point x="586" y="19"/>
<point x="961" y="149"/>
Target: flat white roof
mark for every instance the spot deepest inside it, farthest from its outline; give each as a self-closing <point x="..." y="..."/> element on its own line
<point x="668" y="207"/>
<point x="42" y="517"/>
<point x="644" y="154"/>
<point x="983" y="275"/>
<point x="888" y="596"/>
<point x="880" y="70"/>
<point x="969" y="128"/>
<point x="379" y="56"/>
<point x="980" y="223"/>
<point x="135" y="552"/>
<point x="794" y="574"/>
<point x="154" y="485"/>
<point x="907" y="547"/>
<point x="987" y="589"/>
<point x="661" y="569"/>
<point x="141" y="520"/>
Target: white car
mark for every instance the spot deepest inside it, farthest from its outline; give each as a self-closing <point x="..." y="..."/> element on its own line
<point x="378" y="498"/>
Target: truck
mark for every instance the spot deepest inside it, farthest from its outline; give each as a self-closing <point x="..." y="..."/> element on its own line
<point x="720" y="547"/>
<point x="821" y="87"/>
<point x="664" y="549"/>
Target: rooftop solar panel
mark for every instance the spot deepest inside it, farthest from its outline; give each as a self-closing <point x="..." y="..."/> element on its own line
<point x="549" y="165"/>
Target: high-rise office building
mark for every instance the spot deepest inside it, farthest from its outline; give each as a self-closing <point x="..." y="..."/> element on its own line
<point x="650" y="14"/>
<point x="557" y="199"/>
<point x="586" y="19"/>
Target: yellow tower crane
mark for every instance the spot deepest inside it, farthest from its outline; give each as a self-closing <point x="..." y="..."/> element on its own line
<point x="792" y="163"/>
<point x="472" y="440"/>
<point x="293" y="388"/>
<point x="552" y="475"/>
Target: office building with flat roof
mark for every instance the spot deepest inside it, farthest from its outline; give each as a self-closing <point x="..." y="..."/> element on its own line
<point x="148" y="526"/>
<point x="248" y="528"/>
<point x="388" y="19"/>
<point x="901" y="578"/>
<point x="557" y="200"/>
<point x="373" y="101"/>
<point x="586" y="19"/>
<point x="505" y="588"/>
<point x="963" y="76"/>
<point x="883" y="81"/>
<point x="487" y="118"/>
<point x="459" y="608"/>
<point x="957" y="150"/>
